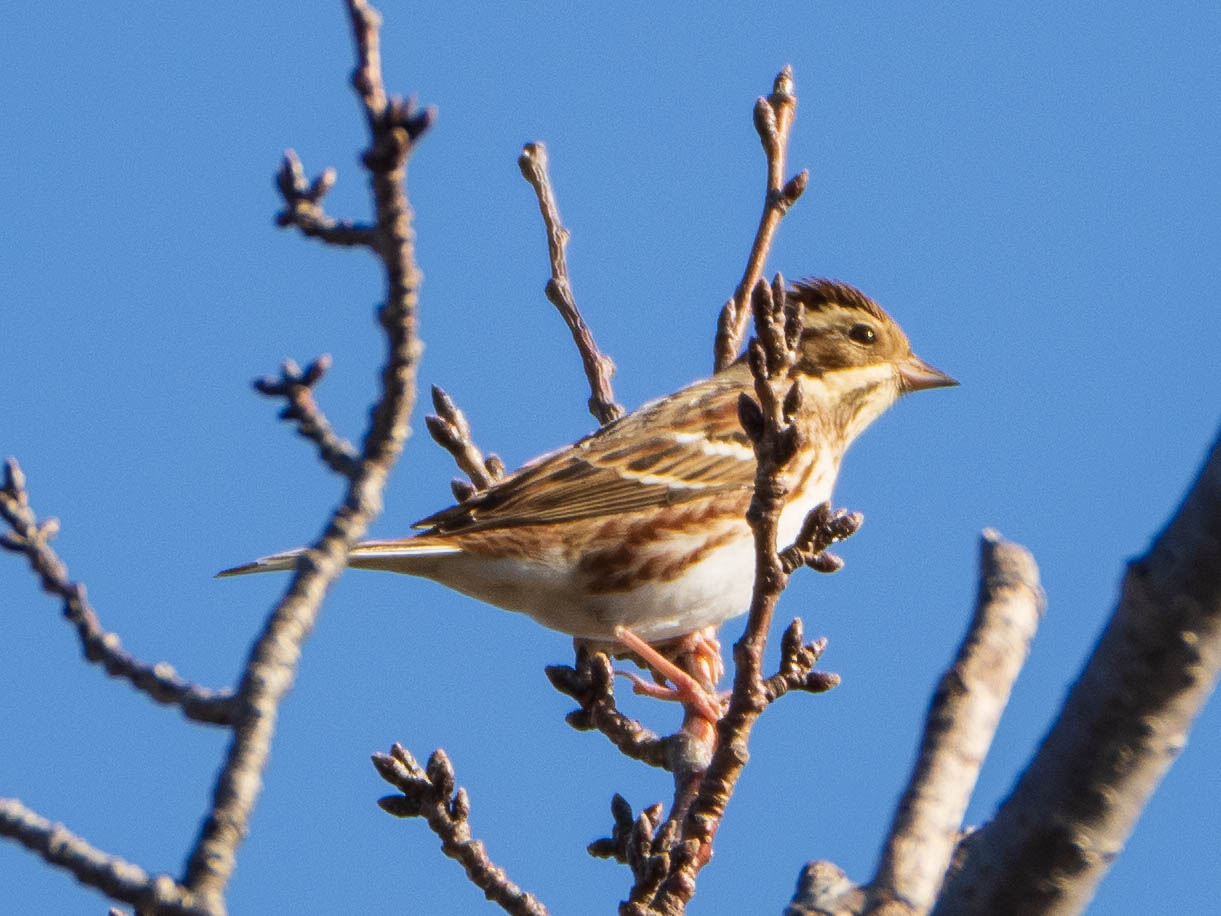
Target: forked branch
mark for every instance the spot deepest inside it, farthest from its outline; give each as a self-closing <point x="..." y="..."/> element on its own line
<point x="669" y="885"/>
<point x="296" y="387"/>
<point x="430" y="792"/>
<point x="450" y="429"/>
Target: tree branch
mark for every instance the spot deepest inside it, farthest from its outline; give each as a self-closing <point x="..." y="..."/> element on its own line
<point x="121" y="880"/>
<point x="450" y="429"/>
<point x="598" y="366"/>
<point x="591" y="684"/>
<point x="1121" y="727"/>
<point x="773" y="119"/>
<point x="429" y="792"/>
<point x="394" y="125"/>
<point x="297" y="388"/>
<point x="158" y="680"/>
<point x="769" y="426"/>
<point x="303" y="207"/>
<point x="959" y="729"/>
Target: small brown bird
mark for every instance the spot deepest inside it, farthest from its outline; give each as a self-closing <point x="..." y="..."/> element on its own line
<point x="641" y="526"/>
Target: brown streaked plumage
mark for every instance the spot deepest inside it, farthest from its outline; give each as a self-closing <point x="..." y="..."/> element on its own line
<point x="642" y="523"/>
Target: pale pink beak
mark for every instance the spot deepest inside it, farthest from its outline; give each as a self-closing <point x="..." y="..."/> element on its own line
<point x="916" y="375"/>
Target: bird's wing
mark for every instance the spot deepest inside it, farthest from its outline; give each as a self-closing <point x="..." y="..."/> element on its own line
<point x="682" y="447"/>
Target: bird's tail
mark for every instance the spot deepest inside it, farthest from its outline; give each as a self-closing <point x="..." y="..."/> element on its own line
<point x="402" y="555"/>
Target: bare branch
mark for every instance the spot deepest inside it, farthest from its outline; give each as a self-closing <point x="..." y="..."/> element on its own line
<point x="429" y="792"/>
<point x="965" y="712"/>
<point x="450" y="430"/>
<point x="297" y="388"/>
<point x="819" y="531"/>
<point x="591" y="684"/>
<point x="824" y="889"/>
<point x="120" y="880"/>
<point x="598" y="366"/>
<point x="640" y="842"/>
<point x="303" y="206"/>
<point x="773" y="119"/>
<point x="393" y="126"/>
<point x="158" y="680"/>
<point x="770" y="428"/>
<point x="797" y="660"/>
<point x="1121" y="727"/>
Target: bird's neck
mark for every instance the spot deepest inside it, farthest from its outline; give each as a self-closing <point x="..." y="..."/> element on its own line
<point x="838" y="405"/>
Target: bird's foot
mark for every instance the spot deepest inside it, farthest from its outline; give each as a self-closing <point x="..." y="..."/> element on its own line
<point x="697" y="694"/>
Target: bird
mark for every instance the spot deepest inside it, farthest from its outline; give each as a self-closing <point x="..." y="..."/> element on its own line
<point x="636" y="535"/>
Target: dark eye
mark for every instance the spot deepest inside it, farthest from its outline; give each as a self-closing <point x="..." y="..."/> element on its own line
<point x="862" y="334"/>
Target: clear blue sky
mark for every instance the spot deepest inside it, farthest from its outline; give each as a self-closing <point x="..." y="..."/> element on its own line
<point x="1031" y="190"/>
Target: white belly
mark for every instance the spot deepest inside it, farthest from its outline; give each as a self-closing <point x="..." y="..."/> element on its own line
<point x="712" y="591"/>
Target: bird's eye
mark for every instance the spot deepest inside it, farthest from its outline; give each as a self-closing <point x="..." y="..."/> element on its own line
<point x="862" y="334"/>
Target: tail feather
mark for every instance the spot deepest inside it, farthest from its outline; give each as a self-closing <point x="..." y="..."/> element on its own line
<point x="277" y="562"/>
<point x="392" y="555"/>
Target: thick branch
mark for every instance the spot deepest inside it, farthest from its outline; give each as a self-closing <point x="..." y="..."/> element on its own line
<point x="112" y="876"/>
<point x="429" y="792"/>
<point x="773" y="119"/>
<point x="1121" y="727"/>
<point x="598" y="366"/>
<point x="158" y="680"/>
<point x="393" y="126"/>
<point x="961" y="723"/>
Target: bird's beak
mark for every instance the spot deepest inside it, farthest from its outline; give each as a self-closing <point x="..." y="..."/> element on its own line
<point x="916" y="375"/>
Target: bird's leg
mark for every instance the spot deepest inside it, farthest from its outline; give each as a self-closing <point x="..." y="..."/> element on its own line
<point x="697" y="692"/>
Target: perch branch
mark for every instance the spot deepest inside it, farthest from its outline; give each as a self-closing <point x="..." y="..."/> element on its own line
<point x="598" y="366"/>
<point x="159" y="680"/>
<point x="1121" y="727"/>
<point x="768" y="424"/>
<point x="394" y="125"/>
<point x="773" y="119"/>
<point x="429" y="792"/>
<point x="297" y="388"/>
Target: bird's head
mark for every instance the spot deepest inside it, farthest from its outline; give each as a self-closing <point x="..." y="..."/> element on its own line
<point x="858" y="351"/>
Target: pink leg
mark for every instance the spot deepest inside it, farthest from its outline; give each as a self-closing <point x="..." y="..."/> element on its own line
<point x="687" y="689"/>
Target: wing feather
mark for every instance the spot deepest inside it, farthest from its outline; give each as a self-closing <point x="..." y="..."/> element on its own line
<point x="676" y="449"/>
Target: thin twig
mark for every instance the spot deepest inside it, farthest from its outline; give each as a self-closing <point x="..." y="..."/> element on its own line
<point x="429" y="792"/>
<point x="598" y="366"/>
<point x="641" y="842"/>
<point x="297" y="388"/>
<point x="591" y="684"/>
<point x="158" y="680"/>
<point x="958" y="731"/>
<point x="450" y="429"/>
<point x="393" y="127"/>
<point x="797" y="672"/>
<point x="303" y="206"/>
<point x="773" y="119"/>
<point x="111" y="875"/>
